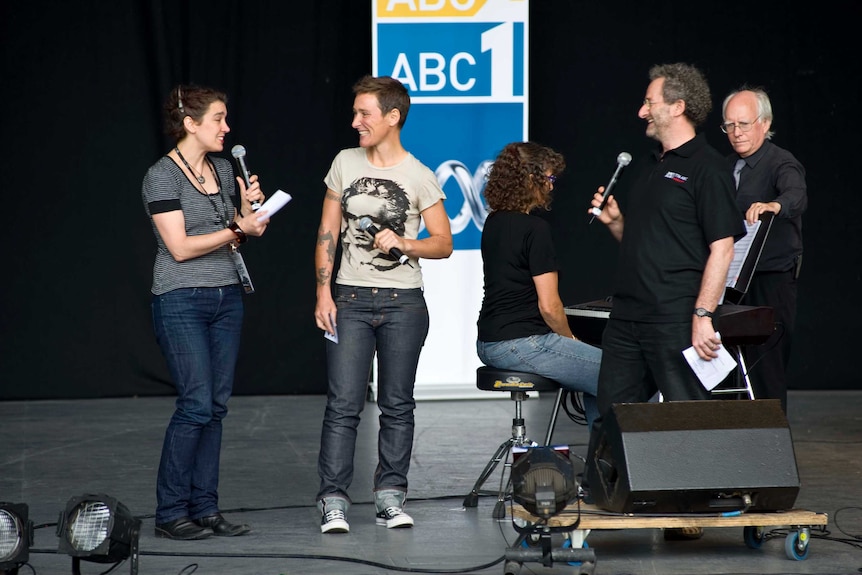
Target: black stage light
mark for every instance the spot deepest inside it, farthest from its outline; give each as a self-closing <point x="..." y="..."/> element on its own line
<point x="98" y="528"/>
<point x="543" y="479"/>
<point x="16" y="536"/>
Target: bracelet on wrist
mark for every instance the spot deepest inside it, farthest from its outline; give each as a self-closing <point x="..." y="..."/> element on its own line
<point x="240" y="235"/>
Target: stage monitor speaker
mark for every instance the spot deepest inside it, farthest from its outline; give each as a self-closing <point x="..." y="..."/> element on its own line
<point x="693" y="457"/>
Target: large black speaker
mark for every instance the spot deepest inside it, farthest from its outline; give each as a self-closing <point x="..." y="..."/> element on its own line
<point x="693" y="457"/>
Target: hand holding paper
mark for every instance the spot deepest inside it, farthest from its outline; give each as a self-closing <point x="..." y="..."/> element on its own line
<point x="710" y="373"/>
<point x="333" y="337"/>
<point x="274" y="203"/>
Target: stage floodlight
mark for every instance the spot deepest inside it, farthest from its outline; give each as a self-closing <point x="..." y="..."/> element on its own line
<point x="98" y="528"/>
<point x="543" y="479"/>
<point x="16" y="536"/>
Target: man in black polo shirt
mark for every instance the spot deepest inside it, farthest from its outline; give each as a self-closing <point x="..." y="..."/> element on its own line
<point x="680" y="226"/>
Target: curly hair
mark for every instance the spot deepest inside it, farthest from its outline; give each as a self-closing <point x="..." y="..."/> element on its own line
<point x="517" y="180"/>
<point x="687" y="83"/>
<point x="188" y="100"/>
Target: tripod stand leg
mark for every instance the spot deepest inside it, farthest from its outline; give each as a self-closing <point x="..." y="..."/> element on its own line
<point x="472" y="498"/>
<point x="500" y="506"/>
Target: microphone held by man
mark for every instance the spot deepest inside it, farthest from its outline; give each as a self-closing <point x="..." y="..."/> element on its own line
<point x="623" y="160"/>
<point x="366" y="225"/>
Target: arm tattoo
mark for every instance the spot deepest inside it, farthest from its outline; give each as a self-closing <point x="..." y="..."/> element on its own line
<point x="327" y="239"/>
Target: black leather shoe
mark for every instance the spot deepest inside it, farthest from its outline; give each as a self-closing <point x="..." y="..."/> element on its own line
<point x="221" y="527"/>
<point x="183" y="529"/>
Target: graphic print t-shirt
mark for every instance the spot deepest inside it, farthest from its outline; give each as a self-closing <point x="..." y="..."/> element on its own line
<point x="391" y="197"/>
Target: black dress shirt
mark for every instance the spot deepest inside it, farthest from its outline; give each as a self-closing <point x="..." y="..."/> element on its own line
<point x="772" y="174"/>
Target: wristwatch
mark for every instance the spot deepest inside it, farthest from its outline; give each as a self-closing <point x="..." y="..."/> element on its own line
<point x="702" y="312"/>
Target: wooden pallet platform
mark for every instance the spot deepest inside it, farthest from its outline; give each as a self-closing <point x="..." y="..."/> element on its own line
<point x="588" y="517"/>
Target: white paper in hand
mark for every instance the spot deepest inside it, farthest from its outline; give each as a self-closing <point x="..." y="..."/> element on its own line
<point x="710" y="373"/>
<point x="274" y="203"/>
<point x="333" y="337"/>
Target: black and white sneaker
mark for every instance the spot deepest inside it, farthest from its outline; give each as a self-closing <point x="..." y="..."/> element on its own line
<point x="393" y="517"/>
<point x="332" y="512"/>
<point x="334" y="522"/>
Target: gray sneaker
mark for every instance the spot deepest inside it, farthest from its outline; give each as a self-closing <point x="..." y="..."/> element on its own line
<point x="393" y="517"/>
<point x="390" y="508"/>
<point x="332" y="511"/>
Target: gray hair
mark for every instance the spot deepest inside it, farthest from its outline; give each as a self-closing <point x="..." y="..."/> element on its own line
<point x="764" y="106"/>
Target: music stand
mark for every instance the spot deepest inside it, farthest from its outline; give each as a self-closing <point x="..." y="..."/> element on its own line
<point x="745" y="260"/>
<point x="739" y="278"/>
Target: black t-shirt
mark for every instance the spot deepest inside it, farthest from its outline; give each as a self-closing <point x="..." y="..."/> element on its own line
<point x="679" y="204"/>
<point x="515" y="248"/>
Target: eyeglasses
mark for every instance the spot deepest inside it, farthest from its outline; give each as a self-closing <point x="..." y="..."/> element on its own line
<point x="552" y="178"/>
<point x="730" y="127"/>
<point x="650" y="104"/>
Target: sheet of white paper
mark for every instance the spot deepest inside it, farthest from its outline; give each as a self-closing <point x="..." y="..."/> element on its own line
<point x="333" y="337"/>
<point x="710" y="373"/>
<point x="740" y="253"/>
<point x="275" y="203"/>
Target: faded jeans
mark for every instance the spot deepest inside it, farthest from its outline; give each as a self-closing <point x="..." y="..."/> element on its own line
<point x="571" y="363"/>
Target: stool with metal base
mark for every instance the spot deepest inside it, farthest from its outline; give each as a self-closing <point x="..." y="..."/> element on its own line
<point x="517" y="383"/>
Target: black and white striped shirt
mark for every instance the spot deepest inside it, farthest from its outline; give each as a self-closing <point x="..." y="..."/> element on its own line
<point x="166" y="188"/>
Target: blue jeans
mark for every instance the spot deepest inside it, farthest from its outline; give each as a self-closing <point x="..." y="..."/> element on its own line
<point x="393" y="323"/>
<point x="573" y="364"/>
<point x="642" y="358"/>
<point x="198" y="330"/>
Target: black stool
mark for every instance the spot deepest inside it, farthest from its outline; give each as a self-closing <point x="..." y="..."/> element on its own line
<point x="517" y="383"/>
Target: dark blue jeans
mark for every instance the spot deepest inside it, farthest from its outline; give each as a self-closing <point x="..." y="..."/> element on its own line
<point x="198" y="330"/>
<point x="394" y="324"/>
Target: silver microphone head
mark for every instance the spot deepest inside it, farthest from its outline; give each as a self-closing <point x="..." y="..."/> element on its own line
<point x="238" y="151"/>
<point x="624" y="159"/>
<point x="365" y="223"/>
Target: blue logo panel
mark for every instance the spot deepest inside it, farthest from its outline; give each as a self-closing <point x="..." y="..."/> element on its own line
<point x="473" y="134"/>
<point x="447" y="60"/>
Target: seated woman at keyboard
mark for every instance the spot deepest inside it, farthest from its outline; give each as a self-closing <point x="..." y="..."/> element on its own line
<point x="522" y="324"/>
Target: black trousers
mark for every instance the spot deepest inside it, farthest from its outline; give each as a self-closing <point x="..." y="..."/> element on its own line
<point x="767" y="362"/>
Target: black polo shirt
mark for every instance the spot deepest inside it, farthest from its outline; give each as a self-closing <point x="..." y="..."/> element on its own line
<point x="679" y="204"/>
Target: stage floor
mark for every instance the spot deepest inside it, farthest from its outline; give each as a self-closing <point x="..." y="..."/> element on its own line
<point x="53" y="450"/>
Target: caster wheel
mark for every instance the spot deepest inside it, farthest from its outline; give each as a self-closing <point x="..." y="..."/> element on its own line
<point x="753" y="537"/>
<point x="796" y="545"/>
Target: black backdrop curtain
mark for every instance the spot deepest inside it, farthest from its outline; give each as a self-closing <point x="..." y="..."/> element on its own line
<point x="82" y="89"/>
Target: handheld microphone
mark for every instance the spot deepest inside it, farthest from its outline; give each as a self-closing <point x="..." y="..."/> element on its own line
<point x="238" y="152"/>
<point x="623" y="160"/>
<point x="366" y="226"/>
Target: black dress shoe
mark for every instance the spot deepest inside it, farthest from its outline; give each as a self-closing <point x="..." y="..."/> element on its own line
<point x="221" y="527"/>
<point x="183" y="529"/>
